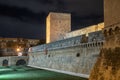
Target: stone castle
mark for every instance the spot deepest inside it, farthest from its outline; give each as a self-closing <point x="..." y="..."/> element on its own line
<point x="86" y="52"/>
<point x="58" y="27"/>
<point x="91" y="52"/>
<point x="71" y="52"/>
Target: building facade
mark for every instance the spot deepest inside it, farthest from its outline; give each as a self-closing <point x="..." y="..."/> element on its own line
<point x="11" y="46"/>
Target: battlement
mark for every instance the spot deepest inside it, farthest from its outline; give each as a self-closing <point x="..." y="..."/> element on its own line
<point x="93" y="40"/>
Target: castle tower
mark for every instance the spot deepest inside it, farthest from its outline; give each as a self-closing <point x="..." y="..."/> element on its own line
<point x="111" y="12"/>
<point x="107" y="66"/>
<point x="58" y="24"/>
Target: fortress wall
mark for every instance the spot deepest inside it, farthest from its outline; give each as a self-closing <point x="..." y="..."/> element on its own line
<point x="95" y="36"/>
<point x="85" y="31"/>
<point x="74" y="41"/>
<point x="75" y="55"/>
<point x="12" y="60"/>
<point x="76" y="59"/>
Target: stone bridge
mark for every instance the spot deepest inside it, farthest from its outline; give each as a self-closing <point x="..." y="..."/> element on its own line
<point x="13" y="60"/>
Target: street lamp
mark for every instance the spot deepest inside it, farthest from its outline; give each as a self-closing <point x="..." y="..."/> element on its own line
<point x="18" y="49"/>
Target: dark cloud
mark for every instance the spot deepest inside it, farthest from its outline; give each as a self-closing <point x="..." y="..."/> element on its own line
<point x="14" y="27"/>
<point x="26" y="18"/>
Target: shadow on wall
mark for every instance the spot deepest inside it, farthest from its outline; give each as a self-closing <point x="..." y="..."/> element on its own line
<point x="20" y="62"/>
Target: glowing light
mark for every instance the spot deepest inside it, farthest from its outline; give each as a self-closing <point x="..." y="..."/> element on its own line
<point x="18" y="49"/>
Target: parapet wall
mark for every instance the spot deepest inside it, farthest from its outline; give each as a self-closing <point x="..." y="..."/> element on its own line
<point x="85" y="31"/>
<point x="95" y="37"/>
<point x="75" y="55"/>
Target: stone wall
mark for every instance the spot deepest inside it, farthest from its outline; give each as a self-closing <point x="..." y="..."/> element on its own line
<point x="75" y="55"/>
<point x="12" y="60"/>
<point x="86" y="31"/>
<point x="111" y="12"/>
<point x="107" y="66"/>
<point x="95" y="36"/>
<point x="77" y="59"/>
<point x="69" y="42"/>
<point x="58" y="24"/>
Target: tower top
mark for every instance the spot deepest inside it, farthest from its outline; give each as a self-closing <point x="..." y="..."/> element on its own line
<point x="57" y="25"/>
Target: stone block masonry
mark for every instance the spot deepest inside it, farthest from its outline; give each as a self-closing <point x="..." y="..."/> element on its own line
<point x="107" y="66"/>
<point x="111" y="12"/>
<point x="57" y="25"/>
<point x="77" y="59"/>
<point x="72" y="56"/>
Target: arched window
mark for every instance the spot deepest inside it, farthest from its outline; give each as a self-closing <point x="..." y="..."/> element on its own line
<point x="21" y="62"/>
<point x="5" y="62"/>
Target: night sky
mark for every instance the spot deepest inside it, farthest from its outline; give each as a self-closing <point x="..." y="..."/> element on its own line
<point x="27" y="18"/>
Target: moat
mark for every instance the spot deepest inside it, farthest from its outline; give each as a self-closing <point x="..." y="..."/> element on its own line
<point x="29" y="73"/>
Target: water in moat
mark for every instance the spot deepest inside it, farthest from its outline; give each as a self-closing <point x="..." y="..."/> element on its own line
<point x="29" y="73"/>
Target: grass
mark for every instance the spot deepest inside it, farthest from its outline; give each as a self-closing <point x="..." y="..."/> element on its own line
<point x="28" y="73"/>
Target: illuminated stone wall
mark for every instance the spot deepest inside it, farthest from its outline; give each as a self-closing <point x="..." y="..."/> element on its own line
<point x="85" y="31"/>
<point x="77" y="59"/>
<point x="72" y="55"/>
<point x="107" y="66"/>
<point x="74" y="41"/>
<point x="111" y="12"/>
<point x="58" y="24"/>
